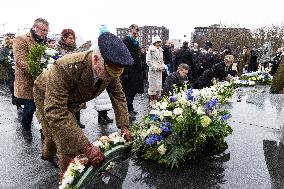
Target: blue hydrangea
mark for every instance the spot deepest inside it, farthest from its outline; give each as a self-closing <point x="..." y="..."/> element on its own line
<point x="209" y="106"/>
<point x="166" y="127"/>
<point x="225" y="117"/>
<point x="172" y="99"/>
<point x="189" y="94"/>
<point x="153" y="139"/>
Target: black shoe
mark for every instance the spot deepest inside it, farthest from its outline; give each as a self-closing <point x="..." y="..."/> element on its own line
<point x="133" y="112"/>
<point x="27" y="134"/>
<point x="51" y="160"/>
<point x="82" y="126"/>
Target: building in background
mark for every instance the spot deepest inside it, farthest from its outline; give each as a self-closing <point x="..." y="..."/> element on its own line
<point x="146" y="33"/>
<point x="200" y="32"/>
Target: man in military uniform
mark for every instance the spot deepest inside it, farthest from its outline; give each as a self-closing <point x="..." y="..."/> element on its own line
<point x="75" y="79"/>
<point x="277" y="85"/>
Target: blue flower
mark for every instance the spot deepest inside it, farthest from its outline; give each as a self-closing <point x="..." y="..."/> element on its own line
<point x="154" y="117"/>
<point x="56" y="57"/>
<point x="166" y="127"/>
<point x="225" y="117"/>
<point x="209" y="106"/>
<point x="189" y="94"/>
<point x="172" y="99"/>
<point x="153" y="139"/>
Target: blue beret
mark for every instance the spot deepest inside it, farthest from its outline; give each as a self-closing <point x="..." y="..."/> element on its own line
<point x="113" y="49"/>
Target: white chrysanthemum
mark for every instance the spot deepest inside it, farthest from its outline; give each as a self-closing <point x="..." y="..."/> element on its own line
<point x="155" y="130"/>
<point x="167" y="113"/>
<point x="178" y="111"/>
<point x="50" y="52"/>
<point x="162" y="149"/>
<point x="98" y="144"/>
<point x="200" y="110"/>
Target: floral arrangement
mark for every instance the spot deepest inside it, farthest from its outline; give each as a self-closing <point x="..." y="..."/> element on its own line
<point x="259" y="78"/>
<point x="79" y="164"/>
<point x="184" y="125"/>
<point x="39" y="58"/>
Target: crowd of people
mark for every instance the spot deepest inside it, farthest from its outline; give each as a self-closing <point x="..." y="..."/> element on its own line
<point x="113" y="72"/>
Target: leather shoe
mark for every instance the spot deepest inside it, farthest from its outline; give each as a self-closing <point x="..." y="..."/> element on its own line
<point x="27" y="134"/>
<point x="82" y="126"/>
<point x="51" y="160"/>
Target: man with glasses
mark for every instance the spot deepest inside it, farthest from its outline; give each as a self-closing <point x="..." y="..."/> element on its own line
<point x="24" y="83"/>
<point x="75" y="79"/>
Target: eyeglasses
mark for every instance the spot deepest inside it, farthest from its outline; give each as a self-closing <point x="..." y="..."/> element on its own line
<point x="42" y="30"/>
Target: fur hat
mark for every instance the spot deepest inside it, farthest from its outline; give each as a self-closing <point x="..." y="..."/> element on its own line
<point x="156" y="39"/>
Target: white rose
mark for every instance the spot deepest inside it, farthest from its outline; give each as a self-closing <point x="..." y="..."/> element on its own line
<point x="163" y="106"/>
<point x="161" y="149"/>
<point x="167" y="113"/>
<point x="178" y="111"/>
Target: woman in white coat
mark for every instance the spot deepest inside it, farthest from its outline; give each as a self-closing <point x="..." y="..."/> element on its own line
<point x="155" y="62"/>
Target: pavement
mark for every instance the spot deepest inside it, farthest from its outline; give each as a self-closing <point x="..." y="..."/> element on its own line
<point x="254" y="158"/>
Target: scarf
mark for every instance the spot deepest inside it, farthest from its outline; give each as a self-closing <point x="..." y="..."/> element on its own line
<point x="65" y="48"/>
<point x="37" y="38"/>
<point x="134" y="41"/>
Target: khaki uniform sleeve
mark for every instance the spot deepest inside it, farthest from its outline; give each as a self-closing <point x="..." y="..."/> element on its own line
<point x="20" y="50"/>
<point x="277" y="85"/>
<point x="62" y="123"/>
<point x="118" y="101"/>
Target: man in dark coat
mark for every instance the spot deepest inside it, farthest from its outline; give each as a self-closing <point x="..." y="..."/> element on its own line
<point x="176" y="79"/>
<point x="218" y="72"/>
<point x="184" y="55"/>
<point x="132" y="77"/>
<point x="75" y="79"/>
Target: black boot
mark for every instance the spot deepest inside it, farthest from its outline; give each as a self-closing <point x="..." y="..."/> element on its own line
<point x="78" y="118"/>
<point x="108" y="120"/>
<point x="27" y="134"/>
<point x="101" y="118"/>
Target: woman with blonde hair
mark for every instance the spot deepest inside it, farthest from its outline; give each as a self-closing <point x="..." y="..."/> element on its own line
<point x="154" y="59"/>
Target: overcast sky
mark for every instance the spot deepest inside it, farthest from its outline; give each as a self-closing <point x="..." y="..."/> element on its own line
<point x="180" y="16"/>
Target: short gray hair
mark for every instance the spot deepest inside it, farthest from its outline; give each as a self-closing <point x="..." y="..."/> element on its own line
<point x="183" y="66"/>
<point x="40" y="20"/>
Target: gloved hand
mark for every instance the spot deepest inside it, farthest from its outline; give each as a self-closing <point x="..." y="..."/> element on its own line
<point x="94" y="154"/>
<point x="126" y="133"/>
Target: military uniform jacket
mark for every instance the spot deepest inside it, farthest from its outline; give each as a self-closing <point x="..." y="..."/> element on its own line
<point x="59" y="91"/>
<point x="277" y="85"/>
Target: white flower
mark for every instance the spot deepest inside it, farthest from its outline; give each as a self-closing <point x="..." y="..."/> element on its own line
<point x="51" y="52"/>
<point x="98" y="144"/>
<point x="167" y="113"/>
<point x="155" y="130"/>
<point x="178" y="111"/>
<point x="200" y="111"/>
<point x="154" y="112"/>
<point x="114" y="135"/>
<point x="161" y="149"/>
<point x="50" y="61"/>
<point x="164" y="106"/>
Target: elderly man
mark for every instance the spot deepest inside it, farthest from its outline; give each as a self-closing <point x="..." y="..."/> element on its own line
<point x="75" y="79"/>
<point x="23" y="87"/>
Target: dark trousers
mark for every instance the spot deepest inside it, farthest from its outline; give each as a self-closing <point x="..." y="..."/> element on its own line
<point x="78" y="116"/>
<point x="28" y="112"/>
<point x="129" y="99"/>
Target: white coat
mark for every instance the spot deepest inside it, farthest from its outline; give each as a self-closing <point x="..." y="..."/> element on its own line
<point x="154" y="59"/>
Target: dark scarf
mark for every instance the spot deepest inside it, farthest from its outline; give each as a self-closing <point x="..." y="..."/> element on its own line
<point x="37" y="38"/>
<point x="66" y="47"/>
